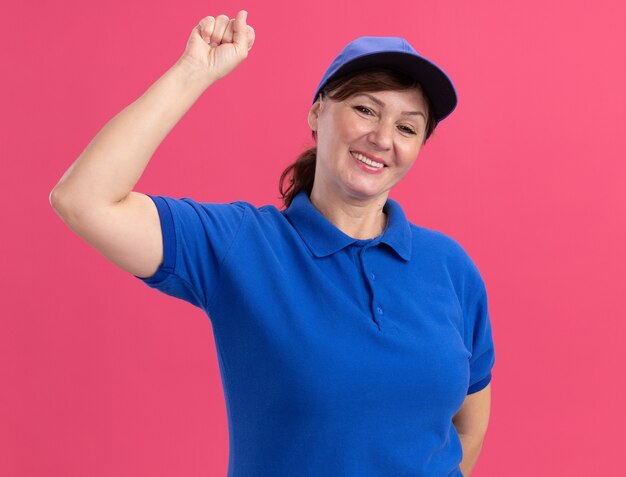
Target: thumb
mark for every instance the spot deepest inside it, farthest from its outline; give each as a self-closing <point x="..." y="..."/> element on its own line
<point x="240" y="37"/>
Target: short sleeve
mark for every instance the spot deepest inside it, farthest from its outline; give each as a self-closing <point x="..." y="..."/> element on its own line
<point x="479" y="339"/>
<point x="196" y="239"/>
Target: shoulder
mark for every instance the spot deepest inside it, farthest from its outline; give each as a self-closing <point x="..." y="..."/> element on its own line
<point x="445" y="246"/>
<point x="195" y="213"/>
<point x="267" y="215"/>
<point x="434" y="245"/>
<point x="237" y="207"/>
<point x="254" y="221"/>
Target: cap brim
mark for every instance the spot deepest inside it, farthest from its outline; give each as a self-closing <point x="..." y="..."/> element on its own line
<point x="434" y="81"/>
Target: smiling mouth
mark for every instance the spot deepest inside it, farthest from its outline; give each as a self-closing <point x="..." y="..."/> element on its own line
<point x="366" y="160"/>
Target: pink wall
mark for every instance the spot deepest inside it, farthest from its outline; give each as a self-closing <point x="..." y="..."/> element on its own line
<point x="104" y="376"/>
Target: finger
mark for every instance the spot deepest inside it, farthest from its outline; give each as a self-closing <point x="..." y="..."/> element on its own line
<point x="228" y="34"/>
<point x="240" y="30"/>
<point x="221" y="22"/>
<point x="251" y="36"/>
<point x="206" y="28"/>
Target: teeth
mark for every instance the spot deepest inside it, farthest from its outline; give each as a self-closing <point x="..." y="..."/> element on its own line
<point x="367" y="161"/>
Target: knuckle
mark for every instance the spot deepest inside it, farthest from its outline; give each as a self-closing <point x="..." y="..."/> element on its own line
<point x="206" y="24"/>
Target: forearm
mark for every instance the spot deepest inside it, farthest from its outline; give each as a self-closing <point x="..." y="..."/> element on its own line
<point x="472" y="445"/>
<point x="111" y="165"/>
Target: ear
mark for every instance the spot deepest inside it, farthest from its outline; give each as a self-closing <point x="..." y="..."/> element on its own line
<point x="314" y="112"/>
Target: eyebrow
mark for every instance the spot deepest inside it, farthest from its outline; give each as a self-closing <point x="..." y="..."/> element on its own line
<point x="382" y="105"/>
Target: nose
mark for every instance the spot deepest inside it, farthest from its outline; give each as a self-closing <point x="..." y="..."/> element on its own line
<point x="381" y="135"/>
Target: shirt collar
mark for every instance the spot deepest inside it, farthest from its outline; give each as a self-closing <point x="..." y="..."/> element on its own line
<point x="323" y="238"/>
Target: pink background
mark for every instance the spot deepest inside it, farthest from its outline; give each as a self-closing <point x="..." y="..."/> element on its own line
<point x="104" y="376"/>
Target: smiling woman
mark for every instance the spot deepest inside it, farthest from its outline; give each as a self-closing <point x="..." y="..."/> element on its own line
<point x="301" y="174"/>
<point x="351" y="342"/>
<point x="374" y="128"/>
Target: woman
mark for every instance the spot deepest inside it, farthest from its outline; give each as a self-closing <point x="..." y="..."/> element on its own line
<point x="350" y="341"/>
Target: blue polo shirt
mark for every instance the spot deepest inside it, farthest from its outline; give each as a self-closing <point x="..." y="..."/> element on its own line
<point x="338" y="356"/>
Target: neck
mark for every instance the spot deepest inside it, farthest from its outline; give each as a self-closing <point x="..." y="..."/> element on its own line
<point x="357" y="218"/>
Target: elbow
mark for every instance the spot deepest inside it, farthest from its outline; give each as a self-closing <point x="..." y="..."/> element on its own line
<point x="59" y="201"/>
<point x="53" y="198"/>
<point x="56" y="199"/>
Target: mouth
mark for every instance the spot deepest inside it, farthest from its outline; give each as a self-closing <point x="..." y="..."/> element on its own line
<point x="377" y="164"/>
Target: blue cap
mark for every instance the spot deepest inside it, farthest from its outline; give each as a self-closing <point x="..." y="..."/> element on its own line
<point x="397" y="54"/>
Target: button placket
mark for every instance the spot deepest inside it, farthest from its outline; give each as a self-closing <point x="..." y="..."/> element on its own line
<point x="377" y="308"/>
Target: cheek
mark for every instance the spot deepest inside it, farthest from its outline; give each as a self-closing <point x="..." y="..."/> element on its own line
<point x="338" y="135"/>
<point x="409" y="155"/>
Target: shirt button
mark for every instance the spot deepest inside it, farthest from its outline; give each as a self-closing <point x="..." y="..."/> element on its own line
<point x="373" y="276"/>
<point x="380" y="309"/>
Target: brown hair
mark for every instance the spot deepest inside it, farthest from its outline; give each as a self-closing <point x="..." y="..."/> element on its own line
<point x="303" y="169"/>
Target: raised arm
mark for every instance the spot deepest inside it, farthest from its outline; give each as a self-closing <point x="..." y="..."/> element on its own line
<point x="95" y="196"/>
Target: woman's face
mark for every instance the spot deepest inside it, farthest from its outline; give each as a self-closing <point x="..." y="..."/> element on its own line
<point x="387" y="127"/>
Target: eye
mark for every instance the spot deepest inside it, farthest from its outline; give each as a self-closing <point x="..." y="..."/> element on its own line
<point x="407" y="130"/>
<point x="368" y="111"/>
<point x="363" y="109"/>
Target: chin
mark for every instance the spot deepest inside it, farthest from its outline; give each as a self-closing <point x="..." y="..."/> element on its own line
<point x="365" y="192"/>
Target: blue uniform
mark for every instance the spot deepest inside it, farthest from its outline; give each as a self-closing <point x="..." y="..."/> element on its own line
<point x="338" y="356"/>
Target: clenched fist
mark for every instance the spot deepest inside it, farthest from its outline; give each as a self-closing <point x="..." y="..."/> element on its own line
<point x="218" y="44"/>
